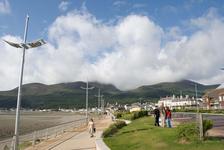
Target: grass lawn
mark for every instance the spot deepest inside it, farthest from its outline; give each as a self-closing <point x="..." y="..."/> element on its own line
<point x="141" y="134"/>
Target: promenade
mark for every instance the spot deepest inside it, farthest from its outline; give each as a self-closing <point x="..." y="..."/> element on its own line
<point x="77" y="139"/>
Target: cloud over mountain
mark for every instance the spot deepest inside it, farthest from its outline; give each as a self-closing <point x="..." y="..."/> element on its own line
<point x="130" y="52"/>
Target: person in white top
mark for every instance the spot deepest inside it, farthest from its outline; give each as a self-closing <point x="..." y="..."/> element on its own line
<point x="162" y="115"/>
<point x="91" y="126"/>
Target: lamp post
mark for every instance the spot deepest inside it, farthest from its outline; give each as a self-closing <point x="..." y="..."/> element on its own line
<point x="24" y="46"/>
<point x="140" y="99"/>
<point x="220" y="105"/>
<point x="199" y="115"/>
<point x="87" y="89"/>
<point x="102" y="104"/>
<point x="196" y="97"/>
<point x="100" y="97"/>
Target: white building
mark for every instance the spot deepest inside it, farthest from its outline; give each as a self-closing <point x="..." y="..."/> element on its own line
<point x="179" y="102"/>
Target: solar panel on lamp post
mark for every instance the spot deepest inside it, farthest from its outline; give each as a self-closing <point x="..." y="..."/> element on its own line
<point x="24" y="46"/>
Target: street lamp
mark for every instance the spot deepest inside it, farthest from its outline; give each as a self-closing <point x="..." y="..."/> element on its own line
<point x="196" y="97"/>
<point x="102" y="103"/>
<point x="199" y="115"/>
<point x="140" y="99"/>
<point x="24" y="46"/>
<point x="87" y="89"/>
<point x="99" y="99"/>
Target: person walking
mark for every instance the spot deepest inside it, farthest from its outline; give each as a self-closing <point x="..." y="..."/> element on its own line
<point x="156" y="115"/>
<point x="92" y="128"/>
<point x="168" y="117"/>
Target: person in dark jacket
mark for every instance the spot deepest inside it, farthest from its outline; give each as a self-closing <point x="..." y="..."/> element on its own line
<point x="156" y="115"/>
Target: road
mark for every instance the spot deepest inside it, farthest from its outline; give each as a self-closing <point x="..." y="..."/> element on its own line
<point x="218" y="119"/>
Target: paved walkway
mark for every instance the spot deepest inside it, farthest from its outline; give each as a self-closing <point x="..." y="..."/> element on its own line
<point x="75" y="140"/>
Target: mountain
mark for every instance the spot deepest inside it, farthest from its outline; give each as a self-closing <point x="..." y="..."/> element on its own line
<point x="70" y="95"/>
<point x="66" y="95"/>
<point x="184" y="87"/>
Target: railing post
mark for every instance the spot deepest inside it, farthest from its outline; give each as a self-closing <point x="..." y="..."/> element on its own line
<point x="34" y="138"/>
<point x="74" y="125"/>
<point x="12" y="143"/>
<point x="6" y="147"/>
<point x="46" y="134"/>
<point x="200" y="119"/>
<point x="56" y="133"/>
<point x="86" y="121"/>
<point x="62" y="129"/>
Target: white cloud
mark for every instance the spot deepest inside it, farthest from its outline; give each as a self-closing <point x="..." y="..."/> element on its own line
<point x="63" y="6"/>
<point x="169" y="9"/>
<point x="119" y="3"/>
<point x="4" y="7"/>
<point x="138" y="6"/>
<point x="128" y="53"/>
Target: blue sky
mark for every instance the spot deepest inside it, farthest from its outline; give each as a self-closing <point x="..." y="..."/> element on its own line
<point x="124" y="42"/>
<point x="166" y="13"/>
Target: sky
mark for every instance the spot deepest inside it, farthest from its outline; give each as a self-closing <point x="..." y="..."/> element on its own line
<point x="127" y="43"/>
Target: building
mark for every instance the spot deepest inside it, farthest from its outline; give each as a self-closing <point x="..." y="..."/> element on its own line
<point x="180" y="102"/>
<point x="214" y="99"/>
<point x="135" y="107"/>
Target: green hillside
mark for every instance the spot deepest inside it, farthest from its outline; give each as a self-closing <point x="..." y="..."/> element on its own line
<point x="65" y="95"/>
<point x="185" y="87"/>
<point x="70" y="95"/>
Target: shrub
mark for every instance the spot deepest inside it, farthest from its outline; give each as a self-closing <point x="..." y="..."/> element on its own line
<point x="129" y="116"/>
<point x="207" y="124"/>
<point x="110" y="131"/>
<point x="144" y="113"/>
<point x="113" y="128"/>
<point x="188" y="132"/>
<point x="120" y="124"/>
<point x="139" y="114"/>
<point x="118" y="115"/>
<point x="136" y="115"/>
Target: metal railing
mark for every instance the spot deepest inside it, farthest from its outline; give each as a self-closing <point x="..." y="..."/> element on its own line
<point x="218" y="119"/>
<point x="43" y="134"/>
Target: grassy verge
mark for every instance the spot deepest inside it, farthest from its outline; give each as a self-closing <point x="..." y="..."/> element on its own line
<point x="142" y="135"/>
<point x="24" y="145"/>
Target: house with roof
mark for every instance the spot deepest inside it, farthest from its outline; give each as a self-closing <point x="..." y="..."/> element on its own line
<point x="214" y="99"/>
